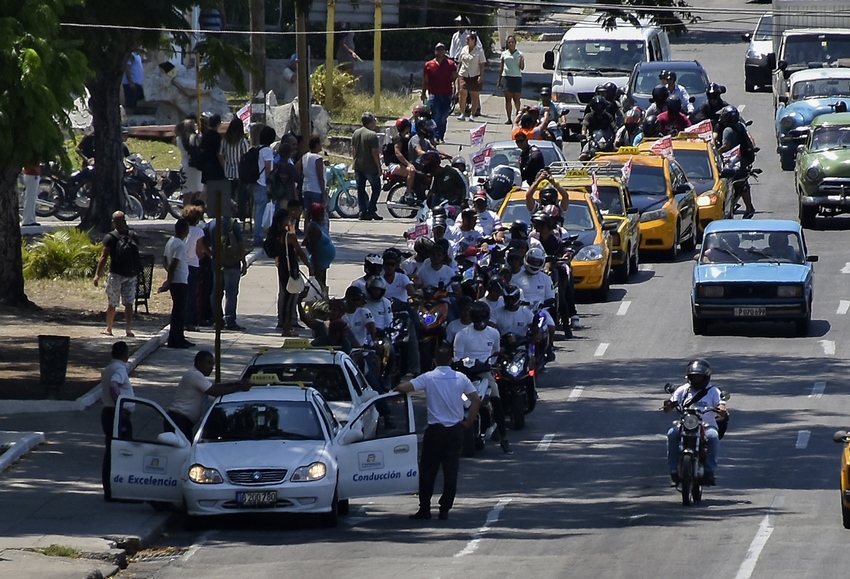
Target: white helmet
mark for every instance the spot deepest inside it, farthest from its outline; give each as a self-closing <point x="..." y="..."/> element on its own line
<point x="534" y="260"/>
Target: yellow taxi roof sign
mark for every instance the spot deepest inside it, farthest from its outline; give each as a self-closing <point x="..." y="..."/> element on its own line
<point x="577" y="173"/>
<point x="628" y="151"/>
<point x="263" y="378"/>
<point x="297" y="343"/>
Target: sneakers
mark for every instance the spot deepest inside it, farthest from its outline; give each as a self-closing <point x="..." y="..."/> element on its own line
<point x="461" y="118"/>
<point x="506" y="447"/>
<point x="575" y="323"/>
<point x="422" y="515"/>
<point x="749" y="214"/>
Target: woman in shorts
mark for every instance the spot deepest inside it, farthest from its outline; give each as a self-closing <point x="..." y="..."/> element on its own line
<point x="471" y="75"/>
<point x="510" y="77"/>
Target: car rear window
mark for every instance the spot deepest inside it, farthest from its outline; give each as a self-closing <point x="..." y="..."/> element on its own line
<point x="261" y="420"/>
<point x="697" y="165"/>
<point x="328" y="379"/>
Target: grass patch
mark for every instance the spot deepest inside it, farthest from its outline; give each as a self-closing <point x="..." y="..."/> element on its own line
<point x="55" y="550"/>
<point x="68" y="253"/>
<point x="393" y="105"/>
<point x="161" y="155"/>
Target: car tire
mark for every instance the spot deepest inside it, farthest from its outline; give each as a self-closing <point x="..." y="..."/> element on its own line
<point x="786" y="161"/>
<point x="343" y="507"/>
<point x="331" y="519"/>
<point x="801" y="327"/>
<point x="700" y="326"/>
<point x="807" y="214"/>
<point x="690" y="244"/>
<point x="673" y="252"/>
<point x="634" y="261"/>
<point x="845" y="515"/>
<point x="601" y="294"/>
<point x="624" y="270"/>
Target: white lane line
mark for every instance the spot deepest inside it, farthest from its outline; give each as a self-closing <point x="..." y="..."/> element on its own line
<point x="817" y="390"/>
<point x="843" y="306"/>
<point x="741" y="108"/>
<point x="492" y="518"/>
<point x="600" y="350"/>
<point x="803" y="439"/>
<point x="828" y="347"/>
<point x="846" y="268"/>
<point x="544" y="444"/>
<point x="624" y="307"/>
<point x="574" y="395"/>
<point x="745" y="571"/>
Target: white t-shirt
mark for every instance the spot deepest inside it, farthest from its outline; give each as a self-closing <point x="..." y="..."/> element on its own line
<point x="411" y="267"/>
<point x="266" y="154"/>
<point x="487" y="223"/>
<point x="710" y="400"/>
<point x="195" y="233"/>
<point x="311" y="177"/>
<point x="357" y="322"/>
<point x="452" y="330"/>
<point x="536" y="288"/>
<point x="443" y="388"/>
<point x="175" y="248"/>
<point x="466" y="239"/>
<point x="190" y="395"/>
<point x="512" y="322"/>
<point x="476" y="344"/>
<point x="115" y="371"/>
<point x="397" y="288"/>
<point x="493" y="305"/>
<point x="382" y="312"/>
<point x="429" y="277"/>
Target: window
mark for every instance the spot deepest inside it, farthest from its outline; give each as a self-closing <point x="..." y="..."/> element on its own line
<point x="601" y="55"/>
<point x="261" y="420"/>
<point x="328" y="379"/>
<point x="394" y="418"/>
<point x="144" y="423"/>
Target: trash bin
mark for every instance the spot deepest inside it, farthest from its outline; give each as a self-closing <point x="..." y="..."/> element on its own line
<point x="53" y="359"/>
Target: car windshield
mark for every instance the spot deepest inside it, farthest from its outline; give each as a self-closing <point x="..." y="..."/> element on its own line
<point x="752" y="246"/>
<point x="328" y="379"/>
<point x="819" y="88"/>
<point x="601" y="55"/>
<point x="697" y="165"/>
<point x="578" y="217"/>
<point x="509" y="155"/>
<point x="610" y="199"/>
<point x="647" y="180"/>
<point x="826" y="138"/>
<point x="516" y="211"/>
<point x="765" y="29"/>
<point x="261" y="420"/>
<point x="800" y="50"/>
<point x="689" y="78"/>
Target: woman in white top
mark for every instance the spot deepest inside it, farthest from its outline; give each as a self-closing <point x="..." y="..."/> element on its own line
<point x="313" y="187"/>
<point x="471" y="75"/>
<point x="193" y="214"/>
<point x="186" y="136"/>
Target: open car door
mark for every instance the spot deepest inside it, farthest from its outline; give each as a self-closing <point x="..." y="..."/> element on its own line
<point x="149" y="453"/>
<point x="379" y="457"/>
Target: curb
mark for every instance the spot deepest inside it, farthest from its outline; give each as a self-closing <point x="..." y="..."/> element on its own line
<point x="21" y="444"/>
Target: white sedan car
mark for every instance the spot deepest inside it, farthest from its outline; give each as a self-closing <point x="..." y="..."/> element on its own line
<point x="274" y="449"/>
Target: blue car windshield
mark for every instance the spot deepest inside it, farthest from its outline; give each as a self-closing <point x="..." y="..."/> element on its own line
<point x="820" y="88"/>
<point x="749" y="247"/>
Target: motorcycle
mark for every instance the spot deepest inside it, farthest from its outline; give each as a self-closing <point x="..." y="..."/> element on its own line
<point x="515" y="372"/>
<point x="740" y="178"/>
<point x="71" y="195"/>
<point x="432" y="317"/>
<point x="342" y="191"/>
<point x="140" y="180"/>
<point x="46" y="202"/>
<point x="599" y="141"/>
<point x="396" y="188"/>
<point x="692" y="448"/>
<point x="171" y="185"/>
<point x="474" y="437"/>
<point x="397" y="334"/>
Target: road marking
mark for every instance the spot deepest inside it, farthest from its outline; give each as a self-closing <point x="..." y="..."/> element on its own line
<point x="574" y="395"/>
<point x="544" y="444"/>
<point x="741" y="108"/>
<point x="492" y="518"/>
<point x="846" y="268"/>
<point x="624" y="307"/>
<point x="803" y="439"/>
<point x="828" y="347"/>
<point x="600" y="350"/>
<point x="745" y="571"/>
<point x="843" y="306"/>
<point x="817" y="390"/>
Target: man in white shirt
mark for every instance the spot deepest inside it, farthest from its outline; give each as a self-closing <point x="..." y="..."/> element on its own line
<point x="358" y="317"/>
<point x="177" y="283"/>
<point x="468" y="237"/>
<point x="443" y="439"/>
<point x="513" y="318"/>
<point x="537" y="288"/>
<point x="678" y="90"/>
<point x="488" y="221"/>
<point x="399" y="288"/>
<point x="434" y="271"/>
<point x="464" y="304"/>
<point x="114" y="382"/>
<point x="187" y="406"/>
<point x="380" y="307"/>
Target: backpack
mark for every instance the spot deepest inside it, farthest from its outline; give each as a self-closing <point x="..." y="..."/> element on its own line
<point x="231" y="254"/>
<point x="126" y="253"/>
<point x="748" y="154"/>
<point x="249" y="166"/>
<point x="388" y="153"/>
<point x="196" y="156"/>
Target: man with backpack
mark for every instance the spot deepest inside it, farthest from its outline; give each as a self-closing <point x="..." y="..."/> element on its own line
<point x="233" y="264"/>
<point x="121" y="247"/>
<point x="732" y="133"/>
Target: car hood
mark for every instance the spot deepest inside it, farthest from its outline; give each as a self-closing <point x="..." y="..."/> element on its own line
<point x="702" y="185"/>
<point x="649" y="202"/>
<point x="288" y="454"/>
<point x="804" y="111"/>
<point x="751" y="273"/>
<point x="584" y="237"/>
<point x="834" y="163"/>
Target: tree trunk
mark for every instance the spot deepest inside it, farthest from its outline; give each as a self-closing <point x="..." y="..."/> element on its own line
<point x="107" y="185"/>
<point x="11" y="266"/>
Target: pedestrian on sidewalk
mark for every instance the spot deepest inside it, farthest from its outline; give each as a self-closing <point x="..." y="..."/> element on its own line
<point x="438" y="78"/>
<point x="443" y="438"/>
<point x="260" y="192"/>
<point x="212" y="162"/>
<point x="471" y="73"/>
<point x="186" y="138"/>
<point x="510" y="77"/>
<point x="114" y="382"/>
<point x="177" y="283"/>
<point x="192" y="391"/>
<point x="319" y="244"/>
<point x="193" y="215"/>
<point x="233" y="265"/>
<point x="366" y="151"/>
<point x="314" y="188"/>
<point x="32" y="176"/>
<point x="121" y="248"/>
<point x="281" y="244"/>
<point x="233" y="148"/>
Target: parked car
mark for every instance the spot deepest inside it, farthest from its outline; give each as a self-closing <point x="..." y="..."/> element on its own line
<point x="822" y="171"/>
<point x="757" y="62"/>
<point x="690" y="74"/>
<point x="753" y="270"/>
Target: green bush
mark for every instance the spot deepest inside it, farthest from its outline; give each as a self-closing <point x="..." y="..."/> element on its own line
<point x="64" y="253"/>
<point x="343" y="88"/>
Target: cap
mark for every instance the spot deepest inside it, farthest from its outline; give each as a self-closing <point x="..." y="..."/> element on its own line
<point x="439" y="46"/>
<point x="479" y="195"/>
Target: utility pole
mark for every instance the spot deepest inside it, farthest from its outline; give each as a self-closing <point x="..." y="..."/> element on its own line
<point x="303" y="70"/>
<point x="257" y="77"/>
<point x="329" y="54"/>
<point x="379" y="19"/>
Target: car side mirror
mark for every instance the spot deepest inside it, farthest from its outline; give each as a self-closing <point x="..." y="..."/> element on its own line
<point x="609" y="225"/>
<point x="549" y="60"/>
<point x="746" y="37"/>
<point x="771" y="61"/>
<point x="801" y="148"/>
<point x="632" y="211"/>
<point x="811" y="258"/>
<point x="170" y="439"/>
<point x="840" y="436"/>
<point x="682" y="188"/>
<point x="783" y="99"/>
<point x="782" y="65"/>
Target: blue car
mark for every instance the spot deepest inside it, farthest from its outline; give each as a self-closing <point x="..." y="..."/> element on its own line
<point x="753" y="271"/>
<point x="813" y="92"/>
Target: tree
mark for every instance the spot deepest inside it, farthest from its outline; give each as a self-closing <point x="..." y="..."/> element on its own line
<point x="670" y="15"/>
<point x="41" y="71"/>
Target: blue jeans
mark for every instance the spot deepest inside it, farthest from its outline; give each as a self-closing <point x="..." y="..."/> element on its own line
<point x="440" y="107"/>
<point x="231" y="278"/>
<point x="261" y="198"/>
<point x="366" y="204"/>
<point x="712" y="447"/>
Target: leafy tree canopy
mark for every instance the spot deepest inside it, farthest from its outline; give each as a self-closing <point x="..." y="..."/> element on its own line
<point x="672" y="16"/>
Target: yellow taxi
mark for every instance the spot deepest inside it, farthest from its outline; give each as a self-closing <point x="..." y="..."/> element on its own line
<point x="702" y="164"/>
<point x="614" y="203"/>
<point x="665" y="198"/>
<point x="843" y="437"/>
<point x="592" y="261"/>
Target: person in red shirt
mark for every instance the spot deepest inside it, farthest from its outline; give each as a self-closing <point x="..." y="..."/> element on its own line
<point x="673" y="121"/>
<point x="438" y="77"/>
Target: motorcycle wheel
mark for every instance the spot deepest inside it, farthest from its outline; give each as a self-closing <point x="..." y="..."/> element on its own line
<point x="395" y="206"/>
<point x="65" y="210"/>
<point x="175" y="206"/>
<point x="687" y="479"/>
<point x="133" y="207"/>
<point x="518" y="411"/>
<point x="49" y="197"/>
<point x="346" y="205"/>
<point x="696" y="492"/>
<point x="157" y="204"/>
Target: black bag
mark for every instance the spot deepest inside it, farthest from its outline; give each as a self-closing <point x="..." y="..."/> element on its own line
<point x="388" y="153"/>
<point x="249" y="166"/>
<point x="126" y="253"/>
<point x="196" y="156"/>
<point x="748" y="155"/>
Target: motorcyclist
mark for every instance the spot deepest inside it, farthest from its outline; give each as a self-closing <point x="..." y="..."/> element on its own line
<point x="536" y="286"/>
<point x="714" y="103"/>
<point x="423" y="141"/>
<point x="513" y="317"/>
<point x="448" y="185"/>
<point x="480" y="342"/>
<point x="464" y="305"/>
<point x="556" y="114"/>
<point x="469" y="238"/>
<point x="631" y="127"/>
<point x="421" y="251"/>
<point x="732" y="133"/>
<point x="598" y="119"/>
<point x="488" y="222"/>
<point x="552" y="194"/>
<point x="520" y="240"/>
<point x="373" y="264"/>
<point x="399" y="288"/>
<point x="673" y="121"/>
<point x="441" y="234"/>
<point x="649" y="129"/>
<point x="459" y="165"/>
<point x="698" y="375"/>
<point x="493" y="298"/>
<point x="396" y="159"/>
<point x="659" y="100"/>
<point x="678" y="90"/>
<point x="531" y="160"/>
<point x="434" y="272"/>
<point x="377" y="302"/>
<point x="609" y="92"/>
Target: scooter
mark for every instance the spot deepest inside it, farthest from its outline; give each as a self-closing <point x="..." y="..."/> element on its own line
<point x="342" y="191"/>
<point x="516" y="376"/>
<point x="474" y="437"/>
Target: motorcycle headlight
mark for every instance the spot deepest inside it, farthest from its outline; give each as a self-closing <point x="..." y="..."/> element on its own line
<point x="514" y="369"/>
<point x="707" y="199"/>
<point x="311" y="472"/>
<point x="653" y="215"/>
<point x="690" y="421"/>
<point x="591" y="252"/>
<point x="202" y="475"/>
<point x="710" y="291"/>
<point x="789" y="291"/>
<point x="814" y="173"/>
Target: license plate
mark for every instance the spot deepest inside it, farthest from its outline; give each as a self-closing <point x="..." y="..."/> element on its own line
<point x="263" y="499"/>
<point x="750" y="312"/>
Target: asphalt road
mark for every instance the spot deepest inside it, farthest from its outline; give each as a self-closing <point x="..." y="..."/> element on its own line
<point x="585" y="493"/>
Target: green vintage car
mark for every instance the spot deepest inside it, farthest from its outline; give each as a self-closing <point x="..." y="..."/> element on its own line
<point x="822" y="171"/>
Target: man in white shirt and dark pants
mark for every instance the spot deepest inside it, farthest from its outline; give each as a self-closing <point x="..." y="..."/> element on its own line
<point x="443" y="438"/>
<point x="177" y="283"/>
<point x="114" y="382"/>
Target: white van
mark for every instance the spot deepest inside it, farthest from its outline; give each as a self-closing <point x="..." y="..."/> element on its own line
<point x="588" y="55"/>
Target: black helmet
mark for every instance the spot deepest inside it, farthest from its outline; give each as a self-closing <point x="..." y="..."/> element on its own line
<point x="391" y="254"/>
<point x="729" y="116"/>
<point x="670" y="75"/>
<point x="549" y="195"/>
<point x="425" y="127"/>
<point x="459" y="163"/>
<point x="714" y="90"/>
<point x="500" y="182"/>
<point x="429" y="161"/>
<point x="511" y="295"/>
<point x="659" y="95"/>
<point x="373" y="264"/>
<point x="519" y="230"/>
<point x="545" y="91"/>
<point x="598" y="103"/>
<point x="423" y="246"/>
<point x="354" y="293"/>
<point x="480" y="314"/>
<point x="468" y="213"/>
<point x="610" y="91"/>
<point x="651" y="127"/>
<point x="376" y="287"/>
<point x="698" y="372"/>
<point x="674" y="104"/>
<point x="541" y="218"/>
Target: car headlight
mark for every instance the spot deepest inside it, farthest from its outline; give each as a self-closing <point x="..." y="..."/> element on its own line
<point x="707" y="199"/>
<point x="814" y="173"/>
<point x="710" y="291"/>
<point x="591" y="252"/>
<point x="788" y="122"/>
<point x="789" y="291"/>
<point x="311" y="472"/>
<point x="202" y="475"/>
<point x="565" y="97"/>
<point x="653" y="215"/>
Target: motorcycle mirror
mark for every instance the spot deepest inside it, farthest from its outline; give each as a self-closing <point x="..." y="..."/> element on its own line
<point x="725" y="395"/>
<point x="669" y="388"/>
<point x="692" y="100"/>
<point x="748" y="123"/>
<point x="840" y="436"/>
<point x="549" y="60"/>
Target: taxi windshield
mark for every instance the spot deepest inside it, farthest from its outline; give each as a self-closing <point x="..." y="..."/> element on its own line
<point x="516" y="211"/>
<point x="610" y="199"/>
<point x="328" y="379"/>
<point x="578" y="217"/>
<point x="510" y="156"/>
<point x="261" y="420"/>
<point x="696" y="164"/>
<point x="647" y="180"/>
